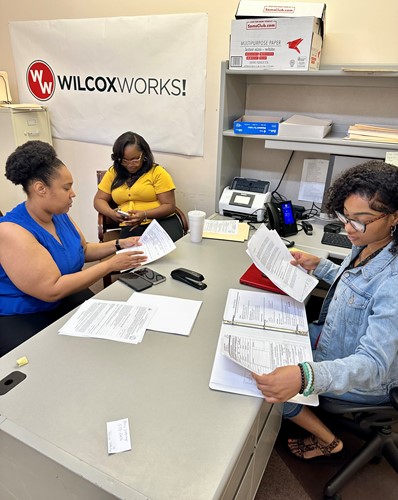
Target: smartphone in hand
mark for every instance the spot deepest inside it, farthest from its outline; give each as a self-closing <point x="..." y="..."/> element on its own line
<point x="152" y="276"/>
<point x="124" y="214"/>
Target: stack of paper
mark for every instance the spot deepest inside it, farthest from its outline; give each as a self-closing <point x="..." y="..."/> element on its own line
<point x="231" y="230"/>
<point x="128" y="321"/>
<point x="111" y="320"/>
<point x="372" y="133"/>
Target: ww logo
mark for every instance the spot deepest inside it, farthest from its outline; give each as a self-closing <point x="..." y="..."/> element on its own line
<point x="41" y="80"/>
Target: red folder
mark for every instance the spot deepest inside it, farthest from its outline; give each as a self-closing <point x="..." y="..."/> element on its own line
<point x="254" y="277"/>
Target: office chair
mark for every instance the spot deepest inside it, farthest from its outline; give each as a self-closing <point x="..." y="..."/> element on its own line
<point x="374" y="425"/>
<point x="109" y="230"/>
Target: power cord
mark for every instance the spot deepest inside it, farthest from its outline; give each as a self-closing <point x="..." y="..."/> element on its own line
<point x="275" y="195"/>
<point x="314" y="211"/>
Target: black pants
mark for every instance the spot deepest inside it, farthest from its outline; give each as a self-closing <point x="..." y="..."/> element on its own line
<point x="171" y="225"/>
<point x="14" y="330"/>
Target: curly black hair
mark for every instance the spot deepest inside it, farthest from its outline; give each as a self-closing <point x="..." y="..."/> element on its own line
<point x="373" y="180"/>
<point x="130" y="139"/>
<point x="34" y="160"/>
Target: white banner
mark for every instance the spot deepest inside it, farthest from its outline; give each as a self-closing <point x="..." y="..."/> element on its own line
<point x="102" y="77"/>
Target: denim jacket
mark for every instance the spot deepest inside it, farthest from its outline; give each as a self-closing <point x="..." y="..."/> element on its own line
<point x="357" y="349"/>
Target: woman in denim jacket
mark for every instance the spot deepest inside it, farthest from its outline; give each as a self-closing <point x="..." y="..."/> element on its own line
<point x="356" y="336"/>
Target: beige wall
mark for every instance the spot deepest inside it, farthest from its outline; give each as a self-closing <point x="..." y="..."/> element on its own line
<point x="357" y="31"/>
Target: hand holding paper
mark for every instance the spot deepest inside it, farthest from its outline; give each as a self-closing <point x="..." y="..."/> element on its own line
<point x="271" y="256"/>
<point x="155" y="242"/>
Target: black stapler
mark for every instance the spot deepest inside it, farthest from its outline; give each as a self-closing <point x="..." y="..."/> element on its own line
<point x="307" y="227"/>
<point x="189" y="277"/>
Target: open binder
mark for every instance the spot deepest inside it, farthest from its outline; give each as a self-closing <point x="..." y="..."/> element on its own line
<point x="267" y="311"/>
<point x="260" y="332"/>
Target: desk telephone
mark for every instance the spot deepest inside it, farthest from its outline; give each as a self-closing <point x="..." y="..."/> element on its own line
<point x="281" y="218"/>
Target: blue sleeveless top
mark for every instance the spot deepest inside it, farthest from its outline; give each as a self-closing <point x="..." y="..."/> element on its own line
<point x="68" y="256"/>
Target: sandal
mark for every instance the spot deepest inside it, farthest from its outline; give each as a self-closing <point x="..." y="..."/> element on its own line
<point x="303" y="445"/>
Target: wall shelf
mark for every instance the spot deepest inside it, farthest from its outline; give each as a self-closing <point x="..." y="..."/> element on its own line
<point x="346" y="97"/>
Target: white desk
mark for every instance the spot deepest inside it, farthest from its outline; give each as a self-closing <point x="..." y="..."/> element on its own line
<point x="309" y="243"/>
<point x="188" y="442"/>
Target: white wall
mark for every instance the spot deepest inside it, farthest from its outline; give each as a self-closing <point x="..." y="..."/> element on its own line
<point x="357" y="31"/>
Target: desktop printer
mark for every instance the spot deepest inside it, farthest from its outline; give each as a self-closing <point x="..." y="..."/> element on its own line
<point x="245" y="199"/>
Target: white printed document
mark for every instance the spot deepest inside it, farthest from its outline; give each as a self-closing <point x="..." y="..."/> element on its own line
<point x="172" y="315"/>
<point x="313" y="180"/>
<point x="111" y="320"/>
<point x="221" y="226"/>
<point x="266" y="310"/>
<point x="261" y="351"/>
<point x="245" y="349"/>
<point x="155" y="243"/>
<point x="232" y="230"/>
<point x="270" y="255"/>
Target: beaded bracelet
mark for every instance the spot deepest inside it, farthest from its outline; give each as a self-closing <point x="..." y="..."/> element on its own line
<point x="303" y="380"/>
<point x="309" y="389"/>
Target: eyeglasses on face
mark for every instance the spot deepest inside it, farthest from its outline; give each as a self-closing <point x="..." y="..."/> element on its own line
<point x="358" y="226"/>
<point x="133" y="161"/>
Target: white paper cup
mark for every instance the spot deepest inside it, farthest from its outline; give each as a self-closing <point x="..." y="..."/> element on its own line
<point x="196" y="220"/>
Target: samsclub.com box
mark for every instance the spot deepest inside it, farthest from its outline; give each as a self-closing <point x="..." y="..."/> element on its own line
<point x="287" y="37"/>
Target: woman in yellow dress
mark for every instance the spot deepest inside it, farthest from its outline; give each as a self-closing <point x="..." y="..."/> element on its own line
<point x="140" y="188"/>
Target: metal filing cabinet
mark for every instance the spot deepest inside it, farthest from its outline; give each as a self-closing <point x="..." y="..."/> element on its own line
<point x="19" y="124"/>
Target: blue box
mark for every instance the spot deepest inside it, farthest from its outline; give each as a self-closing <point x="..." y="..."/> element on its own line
<point x="257" y="125"/>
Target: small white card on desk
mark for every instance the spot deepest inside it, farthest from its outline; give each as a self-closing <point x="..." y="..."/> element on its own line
<point x="118" y="433"/>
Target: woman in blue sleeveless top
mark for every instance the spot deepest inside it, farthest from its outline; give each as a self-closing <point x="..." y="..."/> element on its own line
<point x="42" y="251"/>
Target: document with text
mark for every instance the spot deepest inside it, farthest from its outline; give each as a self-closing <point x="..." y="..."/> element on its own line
<point x="256" y="348"/>
<point x="156" y="243"/>
<point x="266" y="310"/>
<point x="111" y="320"/>
<point x="232" y="230"/>
<point x="270" y="255"/>
<point x="261" y="351"/>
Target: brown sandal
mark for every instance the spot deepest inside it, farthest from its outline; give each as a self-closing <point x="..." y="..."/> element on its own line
<point x="327" y="450"/>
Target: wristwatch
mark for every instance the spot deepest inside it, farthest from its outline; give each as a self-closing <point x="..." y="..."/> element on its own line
<point x="117" y="245"/>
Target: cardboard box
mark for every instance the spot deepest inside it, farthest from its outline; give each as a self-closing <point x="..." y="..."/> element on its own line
<point x="286" y="36"/>
<point x="259" y="125"/>
<point x="249" y="9"/>
<point x="305" y="126"/>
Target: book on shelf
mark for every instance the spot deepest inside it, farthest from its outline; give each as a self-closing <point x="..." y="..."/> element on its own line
<point x="373" y="133"/>
<point x="260" y="332"/>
